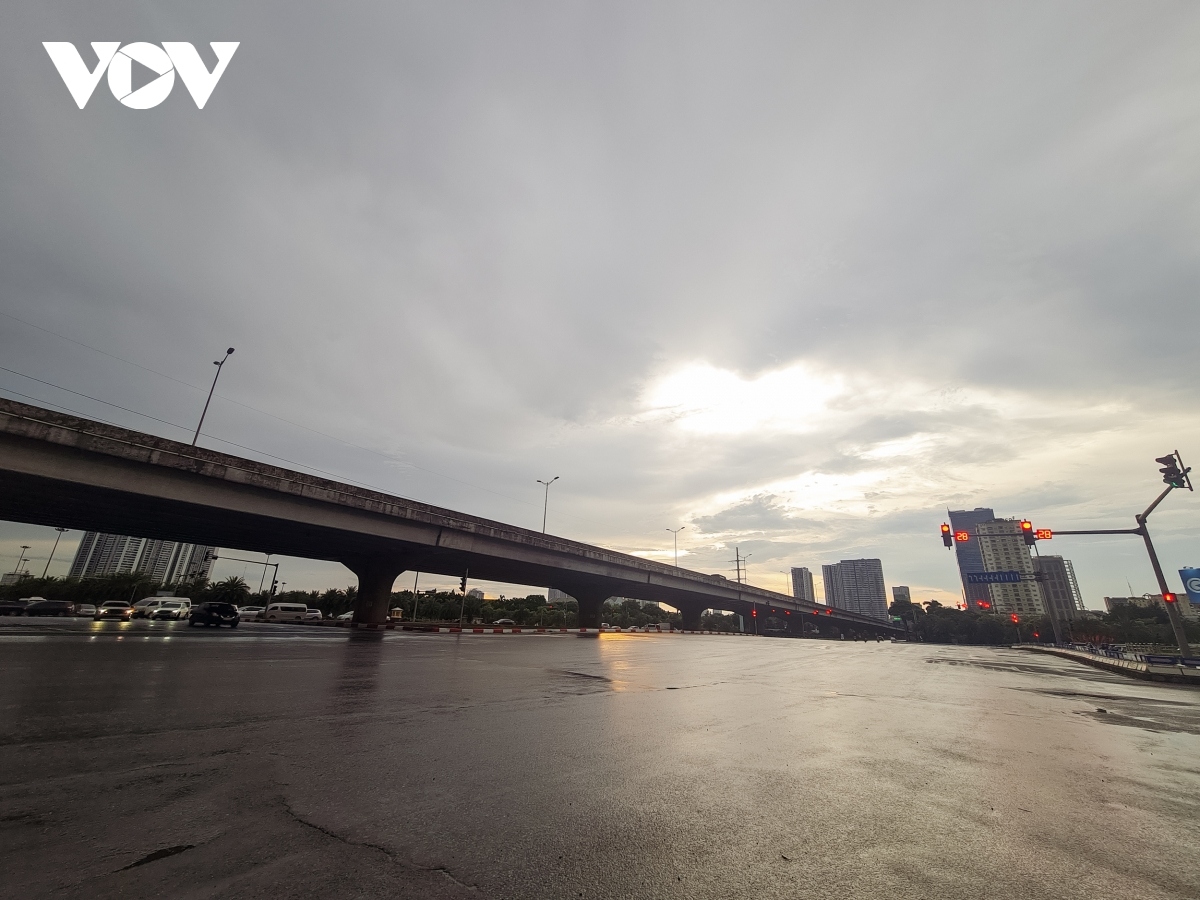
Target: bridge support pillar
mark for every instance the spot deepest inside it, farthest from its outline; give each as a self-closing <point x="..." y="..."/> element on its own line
<point x="692" y="614"/>
<point x="376" y="576"/>
<point x="591" y="605"/>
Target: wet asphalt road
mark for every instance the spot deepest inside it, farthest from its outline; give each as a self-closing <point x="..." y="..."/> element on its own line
<point x="281" y="761"/>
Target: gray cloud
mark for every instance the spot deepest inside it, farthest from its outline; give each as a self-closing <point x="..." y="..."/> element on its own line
<point x="468" y="240"/>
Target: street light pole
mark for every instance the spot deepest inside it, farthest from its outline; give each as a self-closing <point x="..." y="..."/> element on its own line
<point x="675" y="531"/>
<point x="263" y="580"/>
<point x="21" y="559"/>
<point x="196" y="436"/>
<point x="546" y="504"/>
<point x="51" y="559"/>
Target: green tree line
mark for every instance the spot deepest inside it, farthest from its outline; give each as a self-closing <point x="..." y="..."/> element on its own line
<point x="934" y="623"/>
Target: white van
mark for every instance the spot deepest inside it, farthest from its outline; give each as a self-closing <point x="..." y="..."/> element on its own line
<point x="283" y="612"/>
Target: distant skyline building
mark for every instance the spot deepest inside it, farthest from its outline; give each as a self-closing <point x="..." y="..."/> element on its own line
<point x="967" y="552"/>
<point x="1002" y="548"/>
<point x="1060" y="589"/>
<point x="901" y="592"/>
<point x="168" y="562"/>
<point x="802" y="584"/>
<point x="856" y="585"/>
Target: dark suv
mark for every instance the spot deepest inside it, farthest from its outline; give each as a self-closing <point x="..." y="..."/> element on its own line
<point x="50" y="608"/>
<point x="13" y="607"/>
<point x="214" y="614"/>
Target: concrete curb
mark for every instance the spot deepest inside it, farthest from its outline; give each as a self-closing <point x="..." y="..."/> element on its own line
<point x="1127" y="667"/>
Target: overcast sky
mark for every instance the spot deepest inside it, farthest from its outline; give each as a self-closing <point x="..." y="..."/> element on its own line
<point x="795" y="276"/>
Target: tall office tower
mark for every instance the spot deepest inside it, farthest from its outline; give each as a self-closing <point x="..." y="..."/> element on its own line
<point x="856" y="585"/>
<point x="969" y="557"/>
<point x="1003" y="549"/>
<point x="1059" y="587"/>
<point x="901" y="592"/>
<point x="802" y="584"/>
<point x="168" y="562"/>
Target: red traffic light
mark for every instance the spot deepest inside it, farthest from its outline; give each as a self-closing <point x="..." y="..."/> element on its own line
<point x="754" y="613"/>
<point x="1026" y="525"/>
<point x="1168" y="597"/>
<point x="1015" y="618"/>
<point x="947" y="537"/>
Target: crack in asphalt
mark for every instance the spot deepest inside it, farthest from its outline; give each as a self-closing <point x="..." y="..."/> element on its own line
<point x="441" y="870"/>
<point x="157" y="855"/>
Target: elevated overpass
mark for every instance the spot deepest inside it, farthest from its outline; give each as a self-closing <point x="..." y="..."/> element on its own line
<point x="64" y="471"/>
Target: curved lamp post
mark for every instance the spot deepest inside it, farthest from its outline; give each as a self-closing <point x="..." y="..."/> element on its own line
<point x="196" y="436"/>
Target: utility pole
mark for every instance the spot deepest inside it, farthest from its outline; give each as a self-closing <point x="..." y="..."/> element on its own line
<point x="196" y="436"/>
<point x="55" y="548"/>
<point x="740" y="561"/>
<point x="675" y="532"/>
<point x="416" y="575"/>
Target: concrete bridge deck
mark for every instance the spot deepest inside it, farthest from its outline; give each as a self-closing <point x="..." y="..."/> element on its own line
<point x="61" y="470"/>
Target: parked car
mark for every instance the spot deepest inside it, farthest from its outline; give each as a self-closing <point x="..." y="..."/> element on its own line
<point x="85" y="609"/>
<point x="313" y="615"/>
<point x="13" y="607"/>
<point x="143" y="608"/>
<point x="346" y="616"/>
<point x="43" y="607"/>
<point x="214" y="613"/>
<point x="283" y="612"/>
<point x="249" y="612"/>
<point x="172" y="609"/>
<point x="114" y="609"/>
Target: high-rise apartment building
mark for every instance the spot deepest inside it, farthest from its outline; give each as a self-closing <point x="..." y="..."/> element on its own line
<point x="900" y="592"/>
<point x="856" y="585"/>
<point x="967" y="552"/>
<point x="802" y="584"/>
<point x="1002" y="548"/>
<point x="168" y="562"/>
<point x="1059" y="587"/>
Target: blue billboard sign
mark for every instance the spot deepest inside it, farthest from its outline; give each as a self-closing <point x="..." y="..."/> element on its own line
<point x="993" y="577"/>
<point x="1191" y="583"/>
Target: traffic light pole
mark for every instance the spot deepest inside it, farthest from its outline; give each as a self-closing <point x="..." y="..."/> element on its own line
<point x="1172" y="608"/>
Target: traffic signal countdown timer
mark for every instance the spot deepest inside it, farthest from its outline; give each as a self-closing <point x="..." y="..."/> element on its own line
<point x="1028" y="532"/>
<point x="949" y="536"/>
